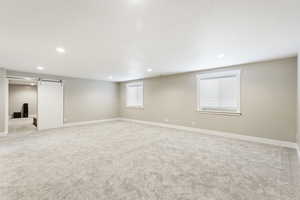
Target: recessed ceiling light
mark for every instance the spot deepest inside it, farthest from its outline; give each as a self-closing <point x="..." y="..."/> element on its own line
<point x="149" y="70"/>
<point x="40" y="68"/>
<point x="32" y="84"/>
<point x="221" y="56"/>
<point x="110" y="77"/>
<point x="60" y="50"/>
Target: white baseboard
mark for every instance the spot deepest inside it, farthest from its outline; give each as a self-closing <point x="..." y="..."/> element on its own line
<point x="219" y="133"/>
<point x="89" y="122"/>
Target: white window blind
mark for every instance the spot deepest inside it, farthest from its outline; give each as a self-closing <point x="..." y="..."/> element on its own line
<point x="219" y="92"/>
<point x="134" y="94"/>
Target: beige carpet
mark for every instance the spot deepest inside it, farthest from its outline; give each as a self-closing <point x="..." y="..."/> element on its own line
<point x="128" y="161"/>
<point x="20" y="127"/>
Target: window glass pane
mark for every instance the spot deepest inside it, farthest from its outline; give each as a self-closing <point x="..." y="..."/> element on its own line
<point x="227" y="92"/>
<point x="219" y="91"/>
<point x="134" y="94"/>
<point x="131" y="96"/>
<point x="209" y="90"/>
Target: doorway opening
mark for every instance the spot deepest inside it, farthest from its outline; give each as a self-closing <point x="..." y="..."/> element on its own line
<point x="22" y="104"/>
<point x="33" y="104"/>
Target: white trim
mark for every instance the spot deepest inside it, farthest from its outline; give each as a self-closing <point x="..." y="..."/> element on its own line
<point x="135" y="107"/>
<point x="213" y="75"/>
<point x="23" y="79"/>
<point x="219" y="133"/>
<point x="219" y="74"/>
<point x="89" y="122"/>
<point x="131" y="84"/>
<point x="220" y="113"/>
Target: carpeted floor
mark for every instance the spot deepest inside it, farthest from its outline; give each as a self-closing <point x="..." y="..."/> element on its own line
<point x="128" y="161"/>
<point x="20" y="127"/>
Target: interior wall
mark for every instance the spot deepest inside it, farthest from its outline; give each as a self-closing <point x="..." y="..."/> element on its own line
<point x="268" y="101"/>
<point x="84" y="99"/>
<point x="20" y="94"/>
<point x="298" y="101"/>
<point x="3" y="100"/>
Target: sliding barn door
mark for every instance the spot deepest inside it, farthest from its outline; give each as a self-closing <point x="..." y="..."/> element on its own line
<point x="50" y="105"/>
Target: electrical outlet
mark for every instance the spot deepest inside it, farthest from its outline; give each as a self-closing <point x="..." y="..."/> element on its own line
<point x="166" y="119"/>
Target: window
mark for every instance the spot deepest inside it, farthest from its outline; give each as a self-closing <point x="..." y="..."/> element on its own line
<point x="219" y="92"/>
<point x="134" y="94"/>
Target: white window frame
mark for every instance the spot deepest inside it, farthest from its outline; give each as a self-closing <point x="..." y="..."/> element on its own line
<point x="131" y="84"/>
<point x="207" y="75"/>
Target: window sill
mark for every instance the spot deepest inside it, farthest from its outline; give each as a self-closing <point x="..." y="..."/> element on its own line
<point x="219" y="113"/>
<point x="135" y="107"/>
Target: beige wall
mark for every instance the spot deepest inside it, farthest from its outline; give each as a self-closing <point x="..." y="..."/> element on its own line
<point x="20" y="94"/>
<point x="2" y="119"/>
<point x="268" y="102"/>
<point x="298" y="102"/>
<point x="85" y="100"/>
<point x="3" y="100"/>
